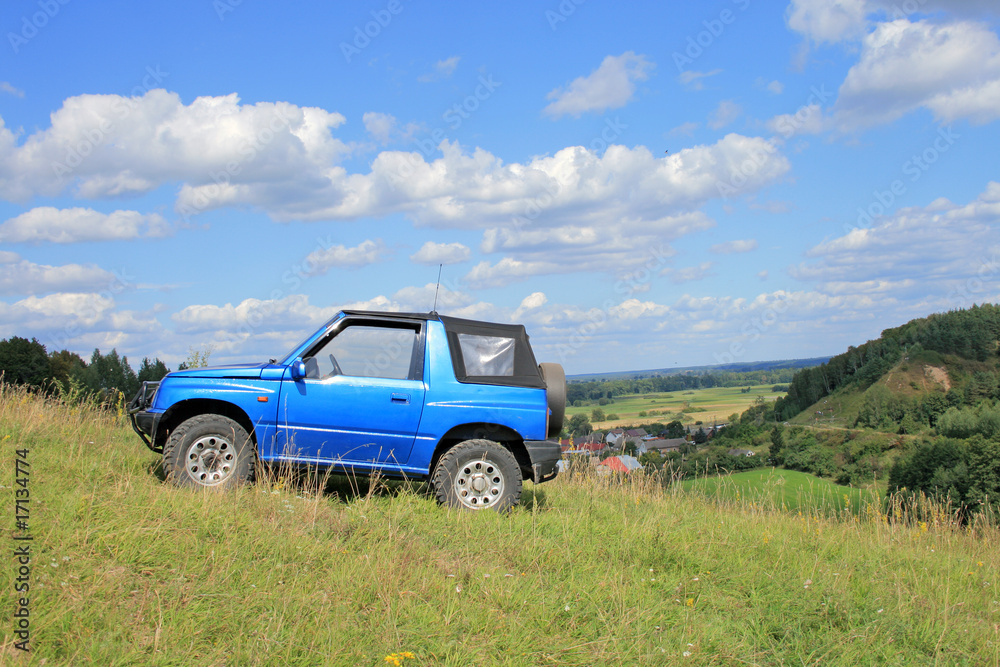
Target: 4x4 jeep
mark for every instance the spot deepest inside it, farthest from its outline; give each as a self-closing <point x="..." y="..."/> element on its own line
<point x="459" y="402"/>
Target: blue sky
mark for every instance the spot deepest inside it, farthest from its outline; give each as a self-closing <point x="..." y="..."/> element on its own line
<point x="642" y="185"/>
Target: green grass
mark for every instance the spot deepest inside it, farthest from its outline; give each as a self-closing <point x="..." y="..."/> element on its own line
<point x="710" y="405"/>
<point x="787" y="490"/>
<point x="588" y="571"/>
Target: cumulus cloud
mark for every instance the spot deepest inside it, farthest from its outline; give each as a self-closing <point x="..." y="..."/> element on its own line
<point x="321" y="260"/>
<point x="951" y="69"/>
<point x="610" y="86"/>
<point x="20" y="276"/>
<point x="926" y="253"/>
<point x="110" y="146"/>
<point x="46" y="224"/>
<point x="735" y="246"/>
<point x="827" y="20"/>
<point x="441" y="253"/>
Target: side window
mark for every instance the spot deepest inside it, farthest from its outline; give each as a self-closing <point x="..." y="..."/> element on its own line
<point x="487" y="355"/>
<point x="365" y="351"/>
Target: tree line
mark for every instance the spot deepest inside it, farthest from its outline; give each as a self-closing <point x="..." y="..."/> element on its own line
<point x="595" y="390"/>
<point x="27" y="362"/>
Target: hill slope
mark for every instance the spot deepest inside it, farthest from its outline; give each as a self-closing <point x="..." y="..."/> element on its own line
<point x="128" y="570"/>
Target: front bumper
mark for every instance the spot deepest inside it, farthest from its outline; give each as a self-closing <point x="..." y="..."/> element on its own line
<point x="545" y="455"/>
<point x="144" y="423"/>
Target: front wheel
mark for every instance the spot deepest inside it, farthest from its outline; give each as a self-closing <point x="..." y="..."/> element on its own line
<point x="477" y="475"/>
<point x="208" y="451"/>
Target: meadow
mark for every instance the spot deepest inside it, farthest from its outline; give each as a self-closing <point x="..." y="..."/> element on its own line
<point x="709" y="406"/>
<point x="587" y="571"/>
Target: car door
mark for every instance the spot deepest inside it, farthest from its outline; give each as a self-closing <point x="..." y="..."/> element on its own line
<point x="362" y="396"/>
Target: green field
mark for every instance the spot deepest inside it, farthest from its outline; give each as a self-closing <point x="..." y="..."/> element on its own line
<point x="128" y="570"/>
<point x="786" y="490"/>
<point x="705" y="405"/>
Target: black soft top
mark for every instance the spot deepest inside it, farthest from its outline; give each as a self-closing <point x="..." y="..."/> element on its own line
<point x="481" y="352"/>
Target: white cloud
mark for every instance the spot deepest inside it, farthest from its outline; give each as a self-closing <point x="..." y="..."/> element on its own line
<point x="610" y="86"/>
<point x="952" y="69"/>
<point x="690" y="273"/>
<point x="694" y="78"/>
<point x="321" y="260"/>
<point x="46" y="224"/>
<point x="827" y="20"/>
<point x="10" y="90"/>
<point x="111" y="146"/>
<point x="686" y="129"/>
<point x="807" y="119"/>
<point x="441" y="253"/>
<point x="775" y="87"/>
<point x="735" y="246"/>
<point x="509" y="270"/>
<point x="379" y="125"/>
<point x="20" y="276"/>
<point x="443" y="69"/>
<point x="724" y="114"/>
<point x="928" y="253"/>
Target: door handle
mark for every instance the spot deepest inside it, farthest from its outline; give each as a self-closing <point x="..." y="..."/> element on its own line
<point x="402" y="399"/>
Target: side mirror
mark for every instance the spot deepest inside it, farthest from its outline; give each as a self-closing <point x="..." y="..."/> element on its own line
<point x="298" y="369"/>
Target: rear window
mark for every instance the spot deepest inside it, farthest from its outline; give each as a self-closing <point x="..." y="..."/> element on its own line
<point x="487" y="356"/>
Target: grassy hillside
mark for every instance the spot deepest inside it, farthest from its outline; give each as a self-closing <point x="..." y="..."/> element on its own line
<point x="126" y="570"/>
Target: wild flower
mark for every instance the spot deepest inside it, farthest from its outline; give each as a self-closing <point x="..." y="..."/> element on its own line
<point x="690" y="602"/>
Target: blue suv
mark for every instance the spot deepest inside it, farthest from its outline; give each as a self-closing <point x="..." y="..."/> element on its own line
<point x="460" y="403"/>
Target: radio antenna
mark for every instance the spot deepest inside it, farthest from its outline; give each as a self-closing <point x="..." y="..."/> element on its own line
<point x="437" y="289"/>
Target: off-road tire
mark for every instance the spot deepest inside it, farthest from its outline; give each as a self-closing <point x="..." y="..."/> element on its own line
<point x="209" y="451"/>
<point x="555" y="394"/>
<point x="477" y="475"/>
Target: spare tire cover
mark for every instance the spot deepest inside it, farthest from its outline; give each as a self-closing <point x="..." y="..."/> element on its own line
<point x="555" y="392"/>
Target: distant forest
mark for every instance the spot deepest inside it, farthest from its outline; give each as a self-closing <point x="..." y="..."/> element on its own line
<point x="595" y="390"/>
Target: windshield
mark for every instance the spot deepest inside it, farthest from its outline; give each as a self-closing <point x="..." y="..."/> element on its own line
<point x="289" y="357"/>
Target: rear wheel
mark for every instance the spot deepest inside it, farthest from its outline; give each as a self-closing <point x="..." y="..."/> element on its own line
<point x="208" y="451"/>
<point x="477" y="475"/>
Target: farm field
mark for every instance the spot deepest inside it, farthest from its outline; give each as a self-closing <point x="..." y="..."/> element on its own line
<point x="709" y="406"/>
<point x="787" y="490"/>
<point x="127" y="570"/>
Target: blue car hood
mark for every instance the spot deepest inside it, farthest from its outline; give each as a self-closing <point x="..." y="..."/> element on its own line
<point x="233" y="371"/>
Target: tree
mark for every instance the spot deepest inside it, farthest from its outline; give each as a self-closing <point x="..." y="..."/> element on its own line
<point x="110" y="373"/>
<point x="578" y="425"/>
<point x="152" y="371"/>
<point x="597" y="415"/>
<point x="675" y="429"/>
<point x="24" y="362"/>
<point x="67" y="366"/>
<point x="984" y="472"/>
